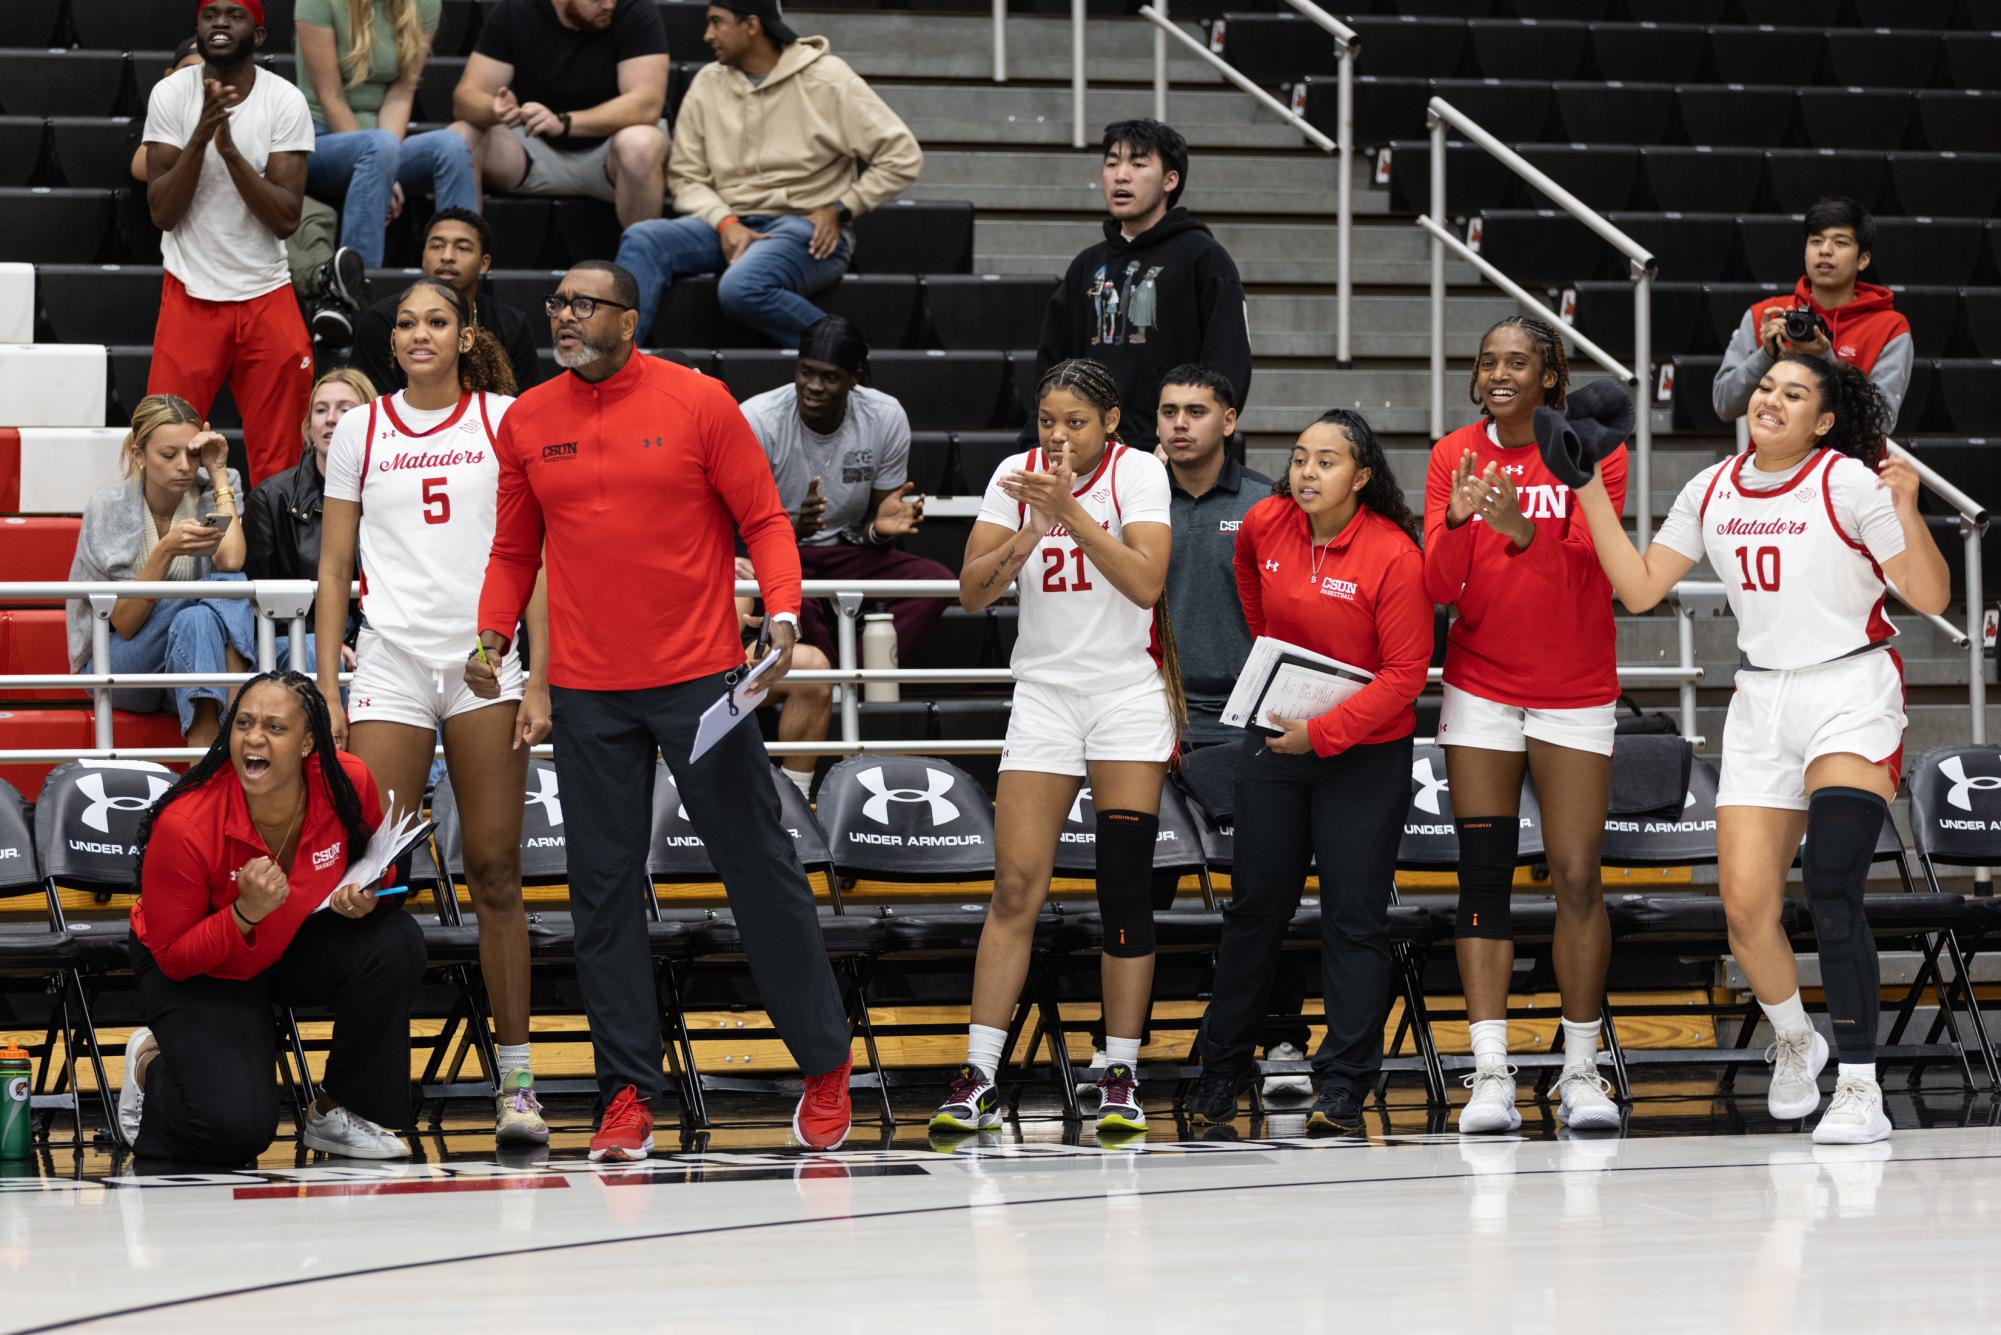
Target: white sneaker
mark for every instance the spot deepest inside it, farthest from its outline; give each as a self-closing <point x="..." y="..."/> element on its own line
<point x="352" y="1136"/>
<point x="1856" y="1115"/>
<point x="132" y="1098"/>
<point x="1582" y="1093"/>
<point x="1287" y="1086"/>
<point x="1491" y="1108"/>
<point x="1087" y="1080"/>
<point x="1796" y="1060"/>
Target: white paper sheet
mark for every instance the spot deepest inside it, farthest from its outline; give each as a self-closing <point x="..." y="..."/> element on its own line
<point x="734" y="706"/>
<point x="1263" y="662"/>
<point x="396" y="833"/>
<point x="1303" y="693"/>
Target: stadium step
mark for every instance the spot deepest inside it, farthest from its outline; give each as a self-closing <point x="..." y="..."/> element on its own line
<point x="1385" y="254"/>
<point x="1067" y="182"/>
<point x="1292" y="325"/>
<point x="960" y="47"/>
<point x="1021" y="114"/>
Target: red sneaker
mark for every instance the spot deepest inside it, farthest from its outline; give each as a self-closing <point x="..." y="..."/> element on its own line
<point x="824" y="1114"/>
<point x="625" y="1132"/>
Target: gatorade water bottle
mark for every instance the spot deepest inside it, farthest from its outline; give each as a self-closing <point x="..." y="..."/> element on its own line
<point x="17" y="1130"/>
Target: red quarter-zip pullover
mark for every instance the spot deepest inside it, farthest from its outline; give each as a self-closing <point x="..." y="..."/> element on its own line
<point x="1535" y="626"/>
<point x="1359" y="599"/>
<point x="197" y="847"/>
<point x="628" y="490"/>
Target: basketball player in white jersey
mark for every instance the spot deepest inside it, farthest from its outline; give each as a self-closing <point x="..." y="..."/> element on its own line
<point x="1082" y="521"/>
<point x="413" y="479"/>
<point x="1803" y="529"/>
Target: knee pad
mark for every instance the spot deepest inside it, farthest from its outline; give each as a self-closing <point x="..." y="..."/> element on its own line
<point x="1125" y="880"/>
<point x="1487" y="849"/>
<point x="1841" y="829"/>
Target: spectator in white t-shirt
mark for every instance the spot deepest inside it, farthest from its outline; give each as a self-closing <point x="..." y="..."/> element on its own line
<point x="226" y="148"/>
<point x="840" y="453"/>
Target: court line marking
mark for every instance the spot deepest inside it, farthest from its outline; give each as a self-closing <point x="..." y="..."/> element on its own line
<point x="914" y="1211"/>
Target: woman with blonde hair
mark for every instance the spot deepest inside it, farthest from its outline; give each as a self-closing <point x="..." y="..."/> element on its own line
<point x="172" y="517"/>
<point x="359" y="65"/>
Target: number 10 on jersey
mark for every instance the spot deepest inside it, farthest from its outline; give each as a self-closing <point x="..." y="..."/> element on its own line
<point x="1760" y="568"/>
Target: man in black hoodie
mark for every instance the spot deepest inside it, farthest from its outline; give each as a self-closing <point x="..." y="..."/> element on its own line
<point x="1158" y="292"/>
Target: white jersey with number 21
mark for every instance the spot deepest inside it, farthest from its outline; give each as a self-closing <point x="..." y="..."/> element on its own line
<point x="427" y="483"/>
<point x="1076" y="631"/>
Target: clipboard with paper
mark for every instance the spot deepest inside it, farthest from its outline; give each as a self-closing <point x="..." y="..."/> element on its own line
<point x="398" y="833"/>
<point x="747" y="691"/>
<point x="1286" y="679"/>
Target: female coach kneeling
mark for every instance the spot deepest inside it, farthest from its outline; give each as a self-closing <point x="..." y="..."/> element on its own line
<point x="233" y="862"/>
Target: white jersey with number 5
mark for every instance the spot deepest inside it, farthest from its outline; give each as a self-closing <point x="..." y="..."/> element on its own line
<point x="1800" y="553"/>
<point x="1077" y="631"/>
<point x="427" y="482"/>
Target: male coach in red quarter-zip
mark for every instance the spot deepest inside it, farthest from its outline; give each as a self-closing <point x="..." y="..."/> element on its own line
<point x="629" y="472"/>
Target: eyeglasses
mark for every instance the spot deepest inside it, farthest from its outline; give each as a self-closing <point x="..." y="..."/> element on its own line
<point x="585" y="307"/>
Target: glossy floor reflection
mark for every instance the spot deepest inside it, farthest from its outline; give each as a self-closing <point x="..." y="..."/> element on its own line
<point x="1705" y="1218"/>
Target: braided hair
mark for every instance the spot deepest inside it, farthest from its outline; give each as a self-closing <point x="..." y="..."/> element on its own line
<point x="485" y="366"/>
<point x="1862" y="416"/>
<point x="1092" y="382"/>
<point x="1549" y="348"/>
<point x="346" y="801"/>
<point x="1381" y="492"/>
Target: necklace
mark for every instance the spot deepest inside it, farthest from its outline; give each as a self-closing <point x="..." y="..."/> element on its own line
<point x="277" y="850"/>
<point x="1313" y="575"/>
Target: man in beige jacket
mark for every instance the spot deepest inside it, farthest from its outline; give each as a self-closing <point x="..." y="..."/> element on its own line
<point x="763" y="174"/>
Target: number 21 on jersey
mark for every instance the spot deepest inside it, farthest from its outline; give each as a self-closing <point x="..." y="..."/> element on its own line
<point x="1054" y="559"/>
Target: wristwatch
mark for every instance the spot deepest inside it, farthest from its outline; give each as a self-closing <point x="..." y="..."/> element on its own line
<point x="564" y="117"/>
<point x="788" y="618"/>
<point x="843" y="214"/>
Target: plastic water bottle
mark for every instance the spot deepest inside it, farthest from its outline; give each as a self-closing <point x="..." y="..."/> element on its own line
<point x="17" y="1123"/>
<point x="879" y="652"/>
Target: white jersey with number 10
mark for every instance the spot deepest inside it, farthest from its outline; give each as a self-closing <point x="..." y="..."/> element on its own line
<point x="1077" y="631"/>
<point x="427" y="483"/>
<point x="1800" y="554"/>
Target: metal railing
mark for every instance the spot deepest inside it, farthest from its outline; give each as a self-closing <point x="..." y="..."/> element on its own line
<point x="1347" y="45"/>
<point x="286" y="601"/>
<point x="1640" y="266"/>
<point x="1973" y="520"/>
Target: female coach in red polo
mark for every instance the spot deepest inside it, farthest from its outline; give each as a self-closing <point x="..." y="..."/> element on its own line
<point x="1331" y="564"/>
<point x="233" y="862"/>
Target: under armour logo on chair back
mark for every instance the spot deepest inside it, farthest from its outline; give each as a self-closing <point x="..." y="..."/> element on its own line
<point x="908" y="818"/>
<point x="20" y="869"/>
<point x="1956" y="805"/>
<point x="1430" y="841"/>
<point x="87" y="821"/>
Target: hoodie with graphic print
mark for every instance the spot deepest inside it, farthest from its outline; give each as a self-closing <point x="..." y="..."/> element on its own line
<point x="1868" y="333"/>
<point x="1145" y="306"/>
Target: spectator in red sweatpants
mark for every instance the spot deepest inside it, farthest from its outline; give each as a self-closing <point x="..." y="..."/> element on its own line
<point x="840" y="453"/>
<point x="226" y="149"/>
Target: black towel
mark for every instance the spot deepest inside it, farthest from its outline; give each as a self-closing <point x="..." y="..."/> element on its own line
<point x="1595" y="420"/>
<point x="1209" y="775"/>
<point x="1649" y="774"/>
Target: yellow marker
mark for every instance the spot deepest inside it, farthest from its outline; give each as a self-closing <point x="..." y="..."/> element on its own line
<point x="479" y="647"/>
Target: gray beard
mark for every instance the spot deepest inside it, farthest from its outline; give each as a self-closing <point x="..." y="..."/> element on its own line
<point x="586" y="353"/>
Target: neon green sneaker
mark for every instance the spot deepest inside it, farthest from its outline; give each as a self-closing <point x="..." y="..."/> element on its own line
<point x="1118" y="1100"/>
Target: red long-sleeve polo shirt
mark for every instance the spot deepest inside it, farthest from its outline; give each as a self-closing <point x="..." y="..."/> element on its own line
<point x="628" y="490"/>
<point x="189" y="881"/>
<point x="1535" y="627"/>
<point x="1360" y="600"/>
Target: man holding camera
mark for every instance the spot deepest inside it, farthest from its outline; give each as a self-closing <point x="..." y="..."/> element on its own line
<point x="1829" y="313"/>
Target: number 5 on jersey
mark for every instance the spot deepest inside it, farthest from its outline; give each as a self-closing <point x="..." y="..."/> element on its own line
<point x="438" y="506"/>
<point x="1053" y="561"/>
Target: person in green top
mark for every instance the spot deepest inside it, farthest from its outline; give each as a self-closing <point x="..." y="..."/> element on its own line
<point x="359" y="63"/>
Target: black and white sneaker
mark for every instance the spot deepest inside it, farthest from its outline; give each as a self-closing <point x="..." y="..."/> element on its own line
<point x="345" y="278"/>
<point x="972" y="1105"/>
<point x="332" y="325"/>
<point x="1118" y="1100"/>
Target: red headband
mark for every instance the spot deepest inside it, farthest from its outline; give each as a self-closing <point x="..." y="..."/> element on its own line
<point x="256" y="8"/>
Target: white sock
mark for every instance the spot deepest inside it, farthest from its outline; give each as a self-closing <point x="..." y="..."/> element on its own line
<point x="1490" y="1041"/>
<point x="513" y="1057"/>
<point x="983" y="1047"/>
<point x="802" y="779"/>
<point x="1580" y="1043"/>
<point x="1121" y="1050"/>
<point x="1788" y="1016"/>
<point x="1856" y="1071"/>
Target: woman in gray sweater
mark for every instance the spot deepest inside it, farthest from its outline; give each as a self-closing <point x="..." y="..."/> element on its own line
<point x="173" y="517"/>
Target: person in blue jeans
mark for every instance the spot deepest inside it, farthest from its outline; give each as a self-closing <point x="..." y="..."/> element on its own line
<point x="172" y="517"/>
<point x="359" y="65"/>
<point x="763" y="170"/>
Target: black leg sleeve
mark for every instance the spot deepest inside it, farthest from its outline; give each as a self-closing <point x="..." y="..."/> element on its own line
<point x="1841" y="829"/>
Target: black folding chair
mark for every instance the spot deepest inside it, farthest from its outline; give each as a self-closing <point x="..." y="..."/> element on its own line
<point x="41" y="958"/>
<point x="1956" y="822"/>
<point x="678" y="854"/>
